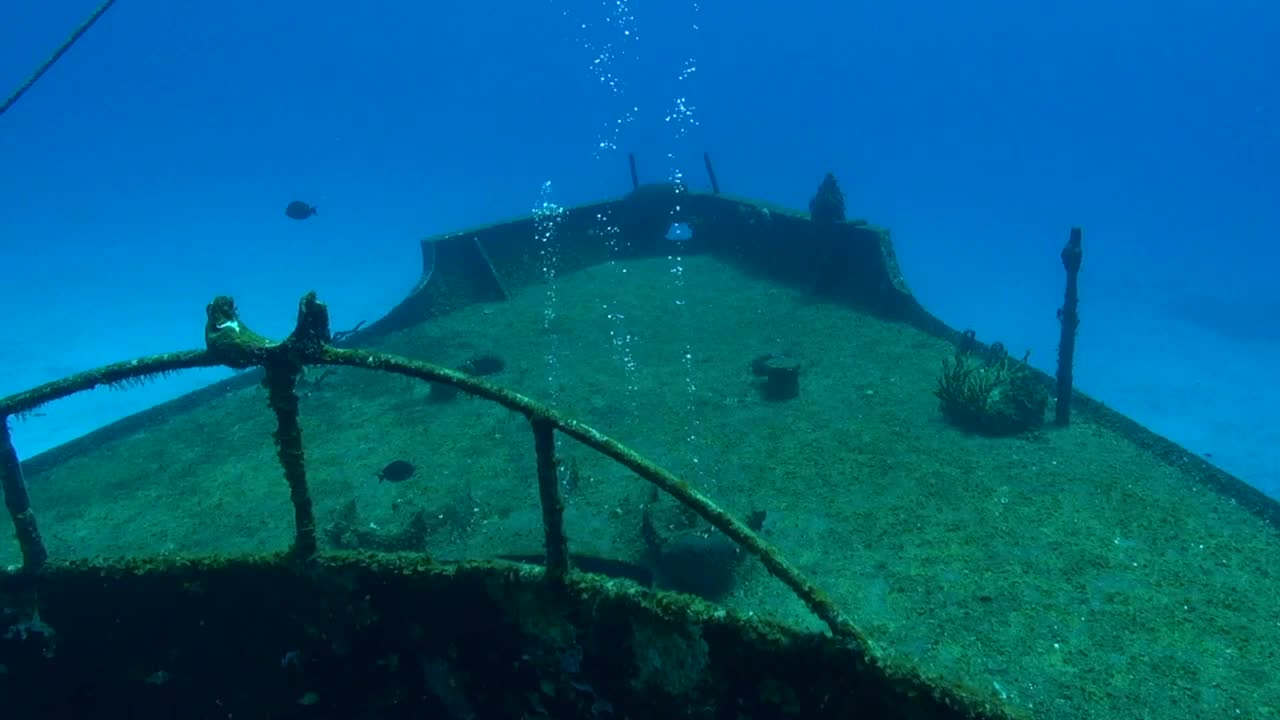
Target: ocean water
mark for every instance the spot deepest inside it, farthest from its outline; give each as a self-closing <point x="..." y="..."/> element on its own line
<point x="148" y="169"/>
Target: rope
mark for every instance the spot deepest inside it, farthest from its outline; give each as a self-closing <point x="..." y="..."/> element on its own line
<point x="84" y="27"/>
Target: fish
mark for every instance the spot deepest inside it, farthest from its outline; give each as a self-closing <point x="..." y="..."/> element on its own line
<point x="397" y="471"/>
<point x="299" y="210"/>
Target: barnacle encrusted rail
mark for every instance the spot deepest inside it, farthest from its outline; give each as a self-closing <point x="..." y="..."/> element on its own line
<point x="125" y="373"/>
<point x="229" y="342"/>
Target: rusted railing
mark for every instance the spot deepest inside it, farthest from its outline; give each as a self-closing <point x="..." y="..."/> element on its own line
<point x="228" y="342"/>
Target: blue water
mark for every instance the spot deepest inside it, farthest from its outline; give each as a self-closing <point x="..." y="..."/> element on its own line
<point x="149" y="169"/>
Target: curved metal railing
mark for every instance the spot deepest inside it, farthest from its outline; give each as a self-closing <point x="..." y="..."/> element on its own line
<point x="229" y="342"/>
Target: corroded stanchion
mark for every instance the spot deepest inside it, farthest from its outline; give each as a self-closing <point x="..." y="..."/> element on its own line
<point x="711" y="173"/>
<point x="283" y="399"/>
<point x="544" y="442"/>
<point x="18" y="503"/>
<point x="238" y="346"/>
<point x="1069" y="317"/>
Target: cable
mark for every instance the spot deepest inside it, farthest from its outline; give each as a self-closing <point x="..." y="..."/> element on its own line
<point x="84" y="27"/>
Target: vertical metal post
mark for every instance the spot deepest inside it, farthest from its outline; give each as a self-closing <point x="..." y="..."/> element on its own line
<point x="281" y="381"/>
<point x="1069" y="318"/>
<point x="544" y="441"/>
<point x="18" y="503"/>
<point x="711" y="173"/>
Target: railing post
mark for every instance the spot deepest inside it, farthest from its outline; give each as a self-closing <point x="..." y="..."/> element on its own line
<point x="281" y="382"/>
<point x="1069" y="317"/>
<point x="544" y="441"/>
<point x="18" y="503"/>
<point x="230" y="341"/>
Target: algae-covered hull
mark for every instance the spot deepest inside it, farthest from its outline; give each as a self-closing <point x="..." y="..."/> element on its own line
<point x="862" y="554"/>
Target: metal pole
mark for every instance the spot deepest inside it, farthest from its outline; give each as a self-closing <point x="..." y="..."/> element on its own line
<point x="1069" y="319"/>
<point x="18" y="503"/>
<point x="544" y="441"/>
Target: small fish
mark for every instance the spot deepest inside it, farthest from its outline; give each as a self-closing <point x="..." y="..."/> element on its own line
<point x="299" y="210"/>
<point x="397" y="471"/>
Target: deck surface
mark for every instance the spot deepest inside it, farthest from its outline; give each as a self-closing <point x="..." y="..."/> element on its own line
<point x="1069" y="572"/>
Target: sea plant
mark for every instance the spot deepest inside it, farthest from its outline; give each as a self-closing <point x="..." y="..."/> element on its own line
<point x="990" y="393"/>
